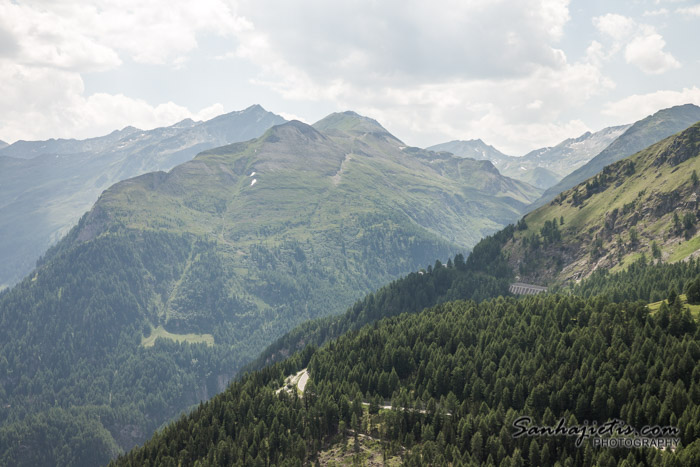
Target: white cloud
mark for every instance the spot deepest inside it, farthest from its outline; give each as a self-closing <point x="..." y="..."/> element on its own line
<point x="691" y="10"/>
<point x="638" y="106"/>
<point x="595" y="54"/>
<point x="45" y="47"/>
<point x="430" y="71"/>
<point x="43" y="39"/>
<point x="162" y="31"/>
<point x="42" y="102"/>
<point x="516" y="115"/>
<point x="100" y="34"/>
<point x="659" y="12"/>
<point x="616" y="26"/>
<point x="646" y="52"/>
<point x="643" y="45"/>
<point x="404" y="41"/>
<point x="208" y="113"/>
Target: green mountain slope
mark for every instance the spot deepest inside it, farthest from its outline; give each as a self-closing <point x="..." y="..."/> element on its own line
<point x="485" y="274"/>
<point x="539" y="177"/>
<point x="448" y="384"/>
<point x="227" y="251"/>
<point x="45" y="186"/>
<point x="278" y="211"/>
<point x="641" y="134"/>
<point x="643" y="205"/>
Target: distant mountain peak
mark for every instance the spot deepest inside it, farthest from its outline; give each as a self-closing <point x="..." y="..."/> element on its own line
<point x="470" y="142"/>
<point x="186" y="123"/>
<point x="675" y="108"/>
<point x="474" y="149"/>
<point x="296" y="124"/>
<point x="679" y="111"/>
<point x="252" y="111"/>
<point x="254" y="108"/>
<point x="350" y="122"/>
<point x="252" y="117"/>
<point x="292" y="130"/>
<point x="353" y="114"/>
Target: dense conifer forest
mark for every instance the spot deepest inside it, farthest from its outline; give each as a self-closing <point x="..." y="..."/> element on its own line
<point x="458" y="375"/>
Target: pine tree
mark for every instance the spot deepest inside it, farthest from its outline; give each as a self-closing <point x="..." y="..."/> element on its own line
<point x="692" y="291"/>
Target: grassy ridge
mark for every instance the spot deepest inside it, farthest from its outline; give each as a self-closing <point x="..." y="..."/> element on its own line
<point x="643" y="205"/>
<point x="641" y="134"/>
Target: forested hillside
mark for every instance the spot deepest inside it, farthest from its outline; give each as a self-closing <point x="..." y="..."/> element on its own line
<point x="485" y="274"/>
<point x="174" y="280"/>
<point x="457" y="376"/>
<point x="185" y="284"/>
<point x="225" y="253"/>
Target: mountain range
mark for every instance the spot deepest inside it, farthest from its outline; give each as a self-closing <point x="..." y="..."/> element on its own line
<point x="640" y="135"/>
<point x="174" y="280"/>
<point x="543" y="167"/>
<point x="45" y="186"/>
<point x="454" y="383"/>
<point x="568" y="155"/>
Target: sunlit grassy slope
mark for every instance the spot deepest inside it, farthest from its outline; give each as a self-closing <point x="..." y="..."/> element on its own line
<point x="694" y="309"/>
<point x="641" y="134"/>
<point x="643" y="205"/>
<point x="192" y="338"/>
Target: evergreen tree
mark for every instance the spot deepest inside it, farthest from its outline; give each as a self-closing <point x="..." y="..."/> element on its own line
<point x="692" y="291"/>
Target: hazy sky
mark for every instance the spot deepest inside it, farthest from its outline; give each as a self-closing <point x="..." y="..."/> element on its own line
<point x="519" y="74"/>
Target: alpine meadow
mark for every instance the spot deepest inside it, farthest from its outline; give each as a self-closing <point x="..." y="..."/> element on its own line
<point x="437" y="233"/>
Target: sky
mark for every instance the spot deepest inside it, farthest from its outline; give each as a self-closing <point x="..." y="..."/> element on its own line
<point x="519" y="74"/>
